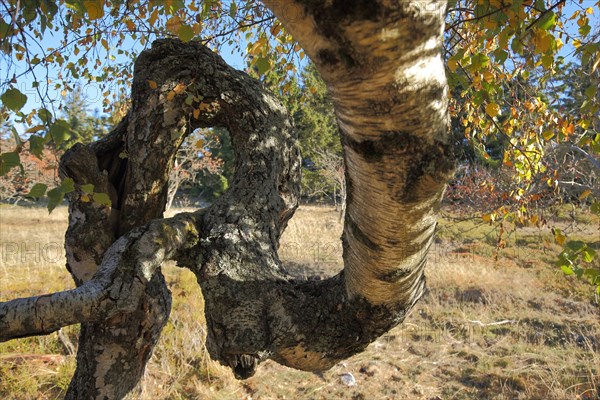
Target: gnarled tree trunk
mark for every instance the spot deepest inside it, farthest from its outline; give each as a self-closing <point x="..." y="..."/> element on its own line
<point x="382" y="63"/>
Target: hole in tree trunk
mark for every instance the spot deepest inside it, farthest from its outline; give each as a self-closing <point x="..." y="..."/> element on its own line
<point x="310" y="248"/>
<point x="204" y="166"/>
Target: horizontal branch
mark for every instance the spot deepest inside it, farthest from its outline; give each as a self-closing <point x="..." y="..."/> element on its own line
<point x="128" y="266"/>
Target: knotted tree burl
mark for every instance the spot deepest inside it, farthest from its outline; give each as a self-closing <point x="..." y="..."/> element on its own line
<point x="382" y="63"/>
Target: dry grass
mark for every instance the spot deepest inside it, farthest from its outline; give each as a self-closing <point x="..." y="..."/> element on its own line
<point x="546" y="345"/>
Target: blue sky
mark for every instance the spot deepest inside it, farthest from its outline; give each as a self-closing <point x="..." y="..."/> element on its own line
<point x="93" y="91"/>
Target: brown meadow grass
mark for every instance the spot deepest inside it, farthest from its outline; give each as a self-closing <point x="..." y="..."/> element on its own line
<point x="491" y="326"/>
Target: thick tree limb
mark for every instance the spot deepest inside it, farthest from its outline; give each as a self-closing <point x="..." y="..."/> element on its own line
<point x="117" y="287"/>
<point x="383" y="64"/>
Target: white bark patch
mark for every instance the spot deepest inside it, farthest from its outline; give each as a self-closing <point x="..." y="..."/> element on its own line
<point x="105" y="359"/>
<point x="389" y="34"/>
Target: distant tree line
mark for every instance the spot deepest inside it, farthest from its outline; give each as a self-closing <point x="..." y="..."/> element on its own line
<point x="206" y="162"/>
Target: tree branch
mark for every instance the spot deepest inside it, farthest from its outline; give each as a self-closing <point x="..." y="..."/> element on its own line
<point x="128" y="266"/>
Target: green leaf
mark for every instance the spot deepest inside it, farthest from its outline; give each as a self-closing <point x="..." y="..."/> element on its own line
<point x="576" y="245"/>
<point x="16" y="137"/>
<point x="67" y="185"/>
<point x="595" y="208"/>
<point x="516" y="45"/>
<point x="590" y="92"/>
<point x="588" y="255"/>
<point x="59" y="133"/>
<point x="88" y="189"/>
<point x="185" y="33"/>
<point x="13" y="99"/>
<point x="8" y="161"/>
<point x="547" y="21"/>
<point x="479" y="61"/>
<point x="36" y="146"/>
<point x="567" y="270"/>
<point x="500" y="56"/>
<point x="263" y="65"/>
<point x="102" y="198"/>
<point x="584" y="30"/>
<point x="55" y="197"/>
<point x="5" y="29"/>
<point x="38" y="190"/>
<point x="44" y="115"/>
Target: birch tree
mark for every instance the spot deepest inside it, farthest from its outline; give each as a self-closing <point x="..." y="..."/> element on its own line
<point x="382" y="62"/>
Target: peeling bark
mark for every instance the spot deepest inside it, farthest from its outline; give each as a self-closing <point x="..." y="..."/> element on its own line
<point x="383" y="65"/>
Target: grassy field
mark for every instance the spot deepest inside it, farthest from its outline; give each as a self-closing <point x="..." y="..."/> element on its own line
<point x="494" y="324"/>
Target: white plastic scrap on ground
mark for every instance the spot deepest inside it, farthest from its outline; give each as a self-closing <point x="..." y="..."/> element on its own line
<point x="348" y="379"/>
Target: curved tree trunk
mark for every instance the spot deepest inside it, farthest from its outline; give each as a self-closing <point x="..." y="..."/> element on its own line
<point x="383" y="65"/>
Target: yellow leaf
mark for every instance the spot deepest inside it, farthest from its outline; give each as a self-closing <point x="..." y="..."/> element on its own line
<point x="589" y="10"/>
<point x="490" y="24"/>
<point x="104" y="43"/>
<point x="584" y="123"/>
<point x="173" y="24"/>
<point x="492" y="109"/>
<point x="453" y="65"/>
<point x="575" y="14"/>
<point x="200" y="143"/>
<point x="559" y="237"/>
<point x="275" y="29"/>
<point x="255" y="48"/>
<point x="559" y="43"/>
<point x="204" y="106"/>
<point x="179" y="88"/>
<point x="545" y="43"/>
<point x="196" y="113"/>
<point x="488" y="76"/>
<point x="568" y="129"/>
<point x="153" y="17"/>
<point x="153" y="85"/>
<point x="130" y="25"/>
<point x="94" y="9"/>
<point x="489" y="217"/>
<point x="596" y="63"/>
<point x="170" y="95"/>
<point x="85" y="198"/>
<point x="585" y="194"/>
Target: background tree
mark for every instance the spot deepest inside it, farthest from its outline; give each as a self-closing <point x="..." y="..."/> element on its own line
<point x="203" y="167"/>
<point x="319" y="139"/>
<point x="84" y="126"/>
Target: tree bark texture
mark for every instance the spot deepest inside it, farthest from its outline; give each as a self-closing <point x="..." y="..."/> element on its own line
<point x="382" y="62"/>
